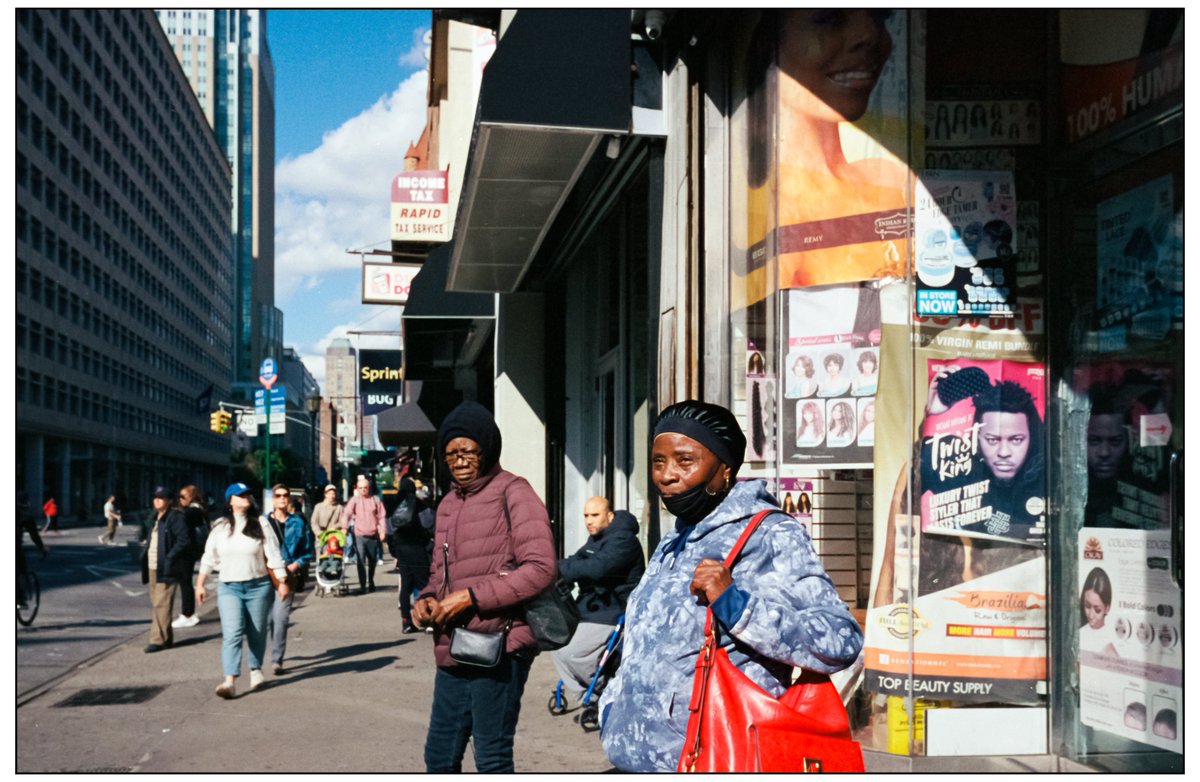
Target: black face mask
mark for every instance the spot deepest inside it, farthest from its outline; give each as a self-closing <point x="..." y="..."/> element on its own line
<point x="694" y="504"/>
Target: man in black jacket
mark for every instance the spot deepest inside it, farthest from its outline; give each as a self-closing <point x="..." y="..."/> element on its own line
<point x="607" y="568"/>
<point x="164" y="565"/>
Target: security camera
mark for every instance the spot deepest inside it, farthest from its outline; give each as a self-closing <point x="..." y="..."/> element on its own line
<point x="654" y="24"/>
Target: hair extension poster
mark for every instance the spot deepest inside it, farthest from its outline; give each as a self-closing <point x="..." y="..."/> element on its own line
<point x="795" y="497"/>
<point x="831" y="374"/>
<point x="1130" y="636"/>
<point x="983" y="450"/>
<point x="966" y="243"/>
<point x="760" y="407"/>
<point x="951" y="617"/>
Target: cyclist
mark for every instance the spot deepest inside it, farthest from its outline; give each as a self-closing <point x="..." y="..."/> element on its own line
<point x="26" y="522"/>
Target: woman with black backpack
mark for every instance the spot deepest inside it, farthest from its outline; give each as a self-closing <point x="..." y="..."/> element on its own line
<point x="409" y="543"/>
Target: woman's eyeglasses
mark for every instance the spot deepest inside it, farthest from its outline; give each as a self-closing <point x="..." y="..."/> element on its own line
<point x="465" y="455"/>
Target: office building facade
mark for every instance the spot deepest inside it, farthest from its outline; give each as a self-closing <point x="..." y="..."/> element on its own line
<point x="226" y="59"/>
<point x="124" y="291"/>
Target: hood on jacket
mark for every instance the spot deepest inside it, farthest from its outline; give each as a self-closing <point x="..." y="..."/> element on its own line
<point x="622" y="519"/>
<point x="472" y="420"/>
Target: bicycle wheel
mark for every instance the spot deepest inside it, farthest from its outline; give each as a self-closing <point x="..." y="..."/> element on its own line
<point x="29" y="584"/>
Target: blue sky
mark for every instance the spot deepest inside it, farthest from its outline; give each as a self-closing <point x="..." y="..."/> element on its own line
<point x="350" y="96"/>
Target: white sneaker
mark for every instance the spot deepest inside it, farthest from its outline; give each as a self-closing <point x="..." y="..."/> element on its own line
<point x="186" y="621"/>
<point x="103" y="542"/>
<point x="256" y="678"/>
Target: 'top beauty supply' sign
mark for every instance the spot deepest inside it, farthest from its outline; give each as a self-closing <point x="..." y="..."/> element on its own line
<point x="420" y="210"/>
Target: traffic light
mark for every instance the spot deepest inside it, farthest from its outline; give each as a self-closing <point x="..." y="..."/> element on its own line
<point x="225" y="420"/>
<point x="214" y="420"/>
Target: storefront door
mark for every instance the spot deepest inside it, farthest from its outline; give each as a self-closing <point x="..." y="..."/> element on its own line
<point x="1116" y="439"/>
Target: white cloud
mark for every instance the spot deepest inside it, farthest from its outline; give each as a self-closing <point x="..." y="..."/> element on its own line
<point x="418" y="55"/>
<point x="337" y="196"/>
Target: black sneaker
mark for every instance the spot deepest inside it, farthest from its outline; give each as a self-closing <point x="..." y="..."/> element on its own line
<point x="409" y="627"/>
<point x="152" y="648"/>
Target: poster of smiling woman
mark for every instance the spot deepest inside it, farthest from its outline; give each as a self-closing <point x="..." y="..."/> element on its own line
<point x="842" y="129"/>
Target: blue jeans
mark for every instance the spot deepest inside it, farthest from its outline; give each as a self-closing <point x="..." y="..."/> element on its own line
<point x="277" y="625"/>
<point x="475" y="703"/>
<point x="244" y="607"/>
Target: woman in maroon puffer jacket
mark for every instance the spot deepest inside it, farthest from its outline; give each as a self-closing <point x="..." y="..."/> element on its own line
<point x="493" y="551"/>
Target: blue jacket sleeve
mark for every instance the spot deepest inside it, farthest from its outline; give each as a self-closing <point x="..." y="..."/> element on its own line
<point x="793" y="613"/>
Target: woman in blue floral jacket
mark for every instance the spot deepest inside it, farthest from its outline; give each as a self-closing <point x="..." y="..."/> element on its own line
<point x="777" y="609"/>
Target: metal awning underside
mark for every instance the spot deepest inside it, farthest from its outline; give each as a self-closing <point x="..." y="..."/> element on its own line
<point x="559" y="82"/>
<point x="428" y="297"/>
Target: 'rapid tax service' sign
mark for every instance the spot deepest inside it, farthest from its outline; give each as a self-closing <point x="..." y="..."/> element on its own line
<point x="420" y="210"/>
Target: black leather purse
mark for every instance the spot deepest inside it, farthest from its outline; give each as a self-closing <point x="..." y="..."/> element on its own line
<point x="552" y="615"/>
<point x="483" y="650"/>
<point x="472" y="647"/>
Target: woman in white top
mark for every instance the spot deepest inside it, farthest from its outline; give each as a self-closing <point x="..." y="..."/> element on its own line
<point x="242" y="548"/>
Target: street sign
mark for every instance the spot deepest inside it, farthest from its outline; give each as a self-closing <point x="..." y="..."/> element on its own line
<point x="266" y="372"/>
<point x="278" y="400"/>
<point x="248" y="424"/>
<point x="278" y="424"/>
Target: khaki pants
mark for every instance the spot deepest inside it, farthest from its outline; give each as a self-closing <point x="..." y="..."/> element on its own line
<point x="112" y="530"/>
<point x="162" y="603"/>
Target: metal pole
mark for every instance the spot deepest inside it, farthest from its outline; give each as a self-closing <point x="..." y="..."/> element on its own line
<point x="267" y="394"/>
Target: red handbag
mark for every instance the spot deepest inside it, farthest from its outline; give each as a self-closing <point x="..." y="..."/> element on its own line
<point x="735" y="725"/>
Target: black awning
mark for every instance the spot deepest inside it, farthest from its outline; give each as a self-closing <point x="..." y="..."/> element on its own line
<point x="561" y="68"/>
<point x="559" y="82"/>
<point x="428" y="297"/>
<point x="406" y="425"/>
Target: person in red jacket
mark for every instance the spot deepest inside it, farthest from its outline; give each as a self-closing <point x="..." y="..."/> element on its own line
<point x="50" y="509"/>
<point x="493" y="551"/>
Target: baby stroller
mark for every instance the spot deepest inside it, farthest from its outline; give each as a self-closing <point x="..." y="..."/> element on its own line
<point x="331" y="564"/>
<point x="589" y="716"/>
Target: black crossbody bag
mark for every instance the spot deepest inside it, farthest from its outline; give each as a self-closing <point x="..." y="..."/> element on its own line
<point x="472" y="647"/>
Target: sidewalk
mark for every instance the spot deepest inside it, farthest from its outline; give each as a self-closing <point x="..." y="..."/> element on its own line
<point x="355" y="697"/>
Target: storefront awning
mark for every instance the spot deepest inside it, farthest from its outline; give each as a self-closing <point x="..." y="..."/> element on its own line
<point x="406" y="425"/>
<point x="558" y="83"/>
<point x="428" y="297"/>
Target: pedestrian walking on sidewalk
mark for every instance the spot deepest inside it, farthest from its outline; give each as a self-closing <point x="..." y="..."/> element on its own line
<point x="50" y="511"/>
<point x="191" y="502"/>
<point x="327" y="513"/>
<point x="364" y="513"/>
<point x="492" y="552"/>
<point x="410" y="544"/>
<point x="112" y="516"/>
<point x="242" y="548"/>
<point x="297" y="552"/>
<point x="164" y="564"/>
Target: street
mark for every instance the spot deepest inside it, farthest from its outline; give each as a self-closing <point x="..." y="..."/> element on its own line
<point x="355" y="693"/>
<point x="92" y="599"/>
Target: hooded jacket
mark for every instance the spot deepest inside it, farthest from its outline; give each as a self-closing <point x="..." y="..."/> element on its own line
<point x="607" y="568"/>
<point x="792" y="617"/>
<point x="174" y="544"/>
<point x="501" y="568"/>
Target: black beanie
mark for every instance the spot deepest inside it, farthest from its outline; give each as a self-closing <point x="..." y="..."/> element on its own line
<point x="472" y="420"/>
<point x="711" y="425"/>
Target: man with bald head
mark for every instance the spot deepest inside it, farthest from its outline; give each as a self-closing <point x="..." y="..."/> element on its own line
<point x="607" y="568"/>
